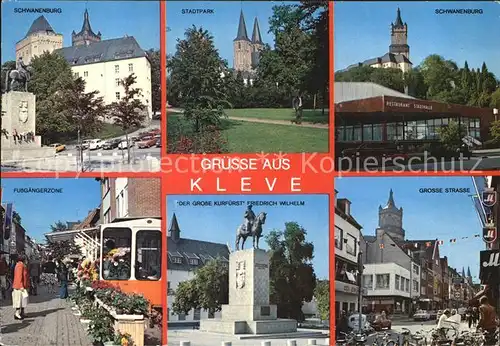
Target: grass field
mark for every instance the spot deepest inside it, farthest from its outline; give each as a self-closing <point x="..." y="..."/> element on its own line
<point x="251" y="137"/>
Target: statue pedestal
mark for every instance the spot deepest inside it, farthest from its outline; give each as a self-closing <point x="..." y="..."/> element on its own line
<point x="249" y="311"/>
<point x="19" y="116"/>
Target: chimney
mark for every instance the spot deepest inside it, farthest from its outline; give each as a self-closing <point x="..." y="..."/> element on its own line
<point x="345" y="205"/>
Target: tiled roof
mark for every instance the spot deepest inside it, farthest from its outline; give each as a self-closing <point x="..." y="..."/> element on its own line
<point x="187" y="249"/>
<point x="107" y="50"/>
<point x="39" y="25"/>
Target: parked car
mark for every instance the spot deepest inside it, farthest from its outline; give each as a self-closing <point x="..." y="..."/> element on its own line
<point x="111" y="144"/>
<point x="422" y="315"/>
<point x="95" y="144"/>
<point x="433" y="314"/>
<point x="381" y="323"/>
<point x="85" y="145"/>
<point x="158" y="143"/>
<point x="124" y="145"/>
<point x="58" y="147"/>
<point x="146" y="142"/>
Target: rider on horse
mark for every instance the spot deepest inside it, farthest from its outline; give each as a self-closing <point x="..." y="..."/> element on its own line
<point x="249" y="219"/>
<point x="22" y="69"/>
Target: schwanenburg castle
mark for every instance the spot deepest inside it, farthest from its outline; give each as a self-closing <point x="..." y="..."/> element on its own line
<point x="101" y="63"/>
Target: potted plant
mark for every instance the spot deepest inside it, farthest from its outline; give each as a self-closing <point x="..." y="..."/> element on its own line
<point x="101" y="327"/>
<point x="121" y="339"/>
<point x="116" y="265"/>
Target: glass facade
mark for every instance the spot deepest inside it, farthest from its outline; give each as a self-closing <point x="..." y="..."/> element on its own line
<point x="418" y="130"/>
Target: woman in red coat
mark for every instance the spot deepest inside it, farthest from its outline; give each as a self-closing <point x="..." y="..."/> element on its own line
<point x="20" y="286"/>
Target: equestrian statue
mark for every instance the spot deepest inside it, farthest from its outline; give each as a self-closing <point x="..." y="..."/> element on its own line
<point x="251" y="227"/>
<point x="18" y="78"/>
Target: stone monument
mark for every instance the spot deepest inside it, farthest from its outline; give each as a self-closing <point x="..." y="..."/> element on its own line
<point x="249" y="310"/>
<point x="19" y="139"/>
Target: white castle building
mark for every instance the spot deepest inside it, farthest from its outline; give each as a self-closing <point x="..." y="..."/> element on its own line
<point x="101" y="63"/>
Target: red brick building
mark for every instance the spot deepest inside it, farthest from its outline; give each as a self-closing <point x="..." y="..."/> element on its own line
<point x="129" y="198"/>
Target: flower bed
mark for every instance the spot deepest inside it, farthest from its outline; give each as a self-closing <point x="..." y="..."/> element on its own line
<point x="111" y="314"/>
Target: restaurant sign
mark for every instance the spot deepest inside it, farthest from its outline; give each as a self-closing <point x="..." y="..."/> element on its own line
<point x="408" y="105"/>
<point x="489" y="264"/>
<point x="345" y="287"/>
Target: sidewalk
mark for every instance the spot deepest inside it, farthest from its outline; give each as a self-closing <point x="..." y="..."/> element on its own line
<point x="49" y="321"/>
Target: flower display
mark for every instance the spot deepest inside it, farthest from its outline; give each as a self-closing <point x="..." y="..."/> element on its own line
<point x="123" y="339"/>
<point x="116" y="264"/>
<point x="87" y="271"/>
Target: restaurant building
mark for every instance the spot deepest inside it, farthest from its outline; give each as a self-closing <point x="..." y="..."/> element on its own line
<point x="370" y="114"/>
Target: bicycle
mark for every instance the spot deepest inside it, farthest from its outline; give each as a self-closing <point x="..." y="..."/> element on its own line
<point x="386" y="340"/>
<point x="410" y="339"/>
<point x="440" y="336"/>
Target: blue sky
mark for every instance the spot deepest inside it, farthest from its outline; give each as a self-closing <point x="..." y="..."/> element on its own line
<point x="425" y="216"/>
<point x="219" y="224"/>
<point x="362" y="31"/>
<point x="39" y="211"/>
<point x="223" y="25"/>
<point x="113" y="19"/>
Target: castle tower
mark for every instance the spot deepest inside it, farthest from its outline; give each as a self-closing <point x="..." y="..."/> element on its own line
<point x="174" y="230"/>
<point x="86" y="36"/>
<point x="391" y="219"/>
<point x="40" y="38"/>
<point x="399" y="37"/>
<point x="257" y="44"/>
<point x="242" y="47"/>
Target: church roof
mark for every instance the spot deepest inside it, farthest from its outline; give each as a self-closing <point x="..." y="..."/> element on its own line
<point x="103" y="51"/>
<point x="256" y="38"/>
<point x="387" y="57"/>
<point x="390" y="202"/>
<point x="39" y="25"/>
<point x="242" y="34"/>
<point x="174" y="225"/>
<point x="399" y="22"/>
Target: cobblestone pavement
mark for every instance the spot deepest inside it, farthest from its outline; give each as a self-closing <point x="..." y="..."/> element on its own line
<point x="49" y="322"/>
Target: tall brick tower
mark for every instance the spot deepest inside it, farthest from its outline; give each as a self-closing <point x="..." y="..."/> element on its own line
<point x="399" y="37"/>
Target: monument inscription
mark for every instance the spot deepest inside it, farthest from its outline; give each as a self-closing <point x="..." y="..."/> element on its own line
<point x="240" y="274"/>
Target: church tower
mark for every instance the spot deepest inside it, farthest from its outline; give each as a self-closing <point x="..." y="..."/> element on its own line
<point x="40" y="38"/>
<point x="399" y="37"/>
<point x="391" y="219"/>
<point x="242" y="48"/>
<point x="86" y="36"/>
<point x="257" y="44"/>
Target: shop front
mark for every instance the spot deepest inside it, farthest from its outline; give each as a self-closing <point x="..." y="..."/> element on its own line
<point x="394" y="305"/>
<point x="346" y="297"/>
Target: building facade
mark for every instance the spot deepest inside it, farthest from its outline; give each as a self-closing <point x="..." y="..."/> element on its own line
<point x="247" y="51"/>
<point x="399" y="51"/>
<point x="130" y="198"/>
<point x="184" y="257"/>
<point x="347" y="247"/>
<point x="100" y="63"/>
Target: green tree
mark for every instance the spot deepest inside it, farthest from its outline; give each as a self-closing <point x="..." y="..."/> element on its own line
<point x="6" y="67"/>
<point x="441" y="76"/>
<point x="83" y="111"/>
<point x="238" y="92"/>
<point x="197" y="78"/>
<point x="128" y="112"/>
<point x="209" y="289"/>
<point x="59" y="250"/>
<point x="451" y="136"/>
<point x="51" y="75"/>
<point x="154" y="59"/>
<point x="391" y="78"/>
<point x="59" y="226"/>
<point x="292" y="278"/>
<point x="322" y="297"/>
<point x="495" y="99"/>
<point x="495" y="132"/>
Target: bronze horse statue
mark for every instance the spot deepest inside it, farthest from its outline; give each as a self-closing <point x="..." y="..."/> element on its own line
<point x="18" y="80"/>
<point x="256" y="232"/>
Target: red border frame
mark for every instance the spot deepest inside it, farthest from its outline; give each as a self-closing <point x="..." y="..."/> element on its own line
<point x="331" y="234"/>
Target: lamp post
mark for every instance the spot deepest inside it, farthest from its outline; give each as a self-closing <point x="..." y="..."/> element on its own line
<point x="360" y="275"/>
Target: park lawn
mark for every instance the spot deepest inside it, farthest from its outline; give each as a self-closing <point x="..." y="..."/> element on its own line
<point x="251" y="137"/>
<point x="286" y="114"/>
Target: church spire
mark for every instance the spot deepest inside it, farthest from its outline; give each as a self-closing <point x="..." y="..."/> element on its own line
<point x="86" y="36"/>
<point x="399" y="22"/>
<point x="242" y="34"/>
<point x="256" y="38"/>
<point x="390" y="203"/>
<point x="468" y="273"/>
<point x="174" y="229"/>
<point x="463" y="272"/>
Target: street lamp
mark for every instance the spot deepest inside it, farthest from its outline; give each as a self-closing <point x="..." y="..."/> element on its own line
<point x="360" y="275"/>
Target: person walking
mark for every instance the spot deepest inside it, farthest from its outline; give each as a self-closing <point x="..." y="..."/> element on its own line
<point x="470" y="316"/>
<point x="63" y="281"/>
<point x="50" y="277"/>
<point x="20" y="286"/>
<point x="34" y="270"/>
<point x="475" y="316"/>
<point x="487" y="320"/>
<point x="4" y="271"/>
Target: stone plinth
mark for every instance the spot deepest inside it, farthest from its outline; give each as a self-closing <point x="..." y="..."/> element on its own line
<point x="249" y="311"/>
<point x="19" y="117"/>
